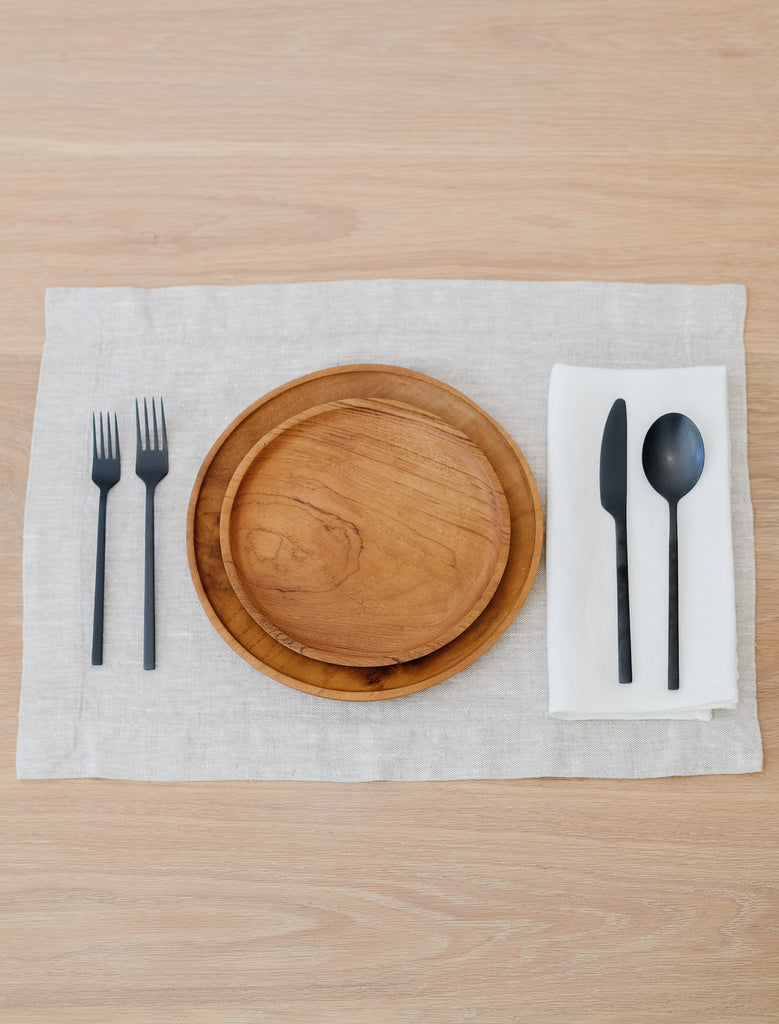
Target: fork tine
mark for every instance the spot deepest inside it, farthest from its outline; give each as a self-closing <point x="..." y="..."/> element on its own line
<point x="138" y="423"/>
<point x="102" y="438"/>
<point x="146" y="421"/>
<point x="116" y="437"/>
<point x="110" y="450"/>
<point x="94" y="439"/>
<point x="154" y="417"/>
<point x="164" y="432"/>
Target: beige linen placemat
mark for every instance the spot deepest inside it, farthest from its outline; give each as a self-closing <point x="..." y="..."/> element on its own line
<point x="211" y="351"/>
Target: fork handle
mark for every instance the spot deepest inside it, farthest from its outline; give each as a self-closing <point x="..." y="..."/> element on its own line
<point x="149" y="658"/>
<point x="97" y="620"/>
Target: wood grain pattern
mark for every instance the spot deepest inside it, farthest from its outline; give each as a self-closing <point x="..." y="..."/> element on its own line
<point x="365" y="532"/>
<point x="155" y="144"/>
<point x="258" y="646"/>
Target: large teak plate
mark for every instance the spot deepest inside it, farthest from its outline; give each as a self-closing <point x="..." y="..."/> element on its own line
<point x="365" y="532"/>
<point x="363" y="381"/>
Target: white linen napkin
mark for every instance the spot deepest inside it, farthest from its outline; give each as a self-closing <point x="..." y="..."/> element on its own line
<point x="581" y="561"/>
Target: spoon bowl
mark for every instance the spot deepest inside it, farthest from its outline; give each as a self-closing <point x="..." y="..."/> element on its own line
<point x="673" y="457"/>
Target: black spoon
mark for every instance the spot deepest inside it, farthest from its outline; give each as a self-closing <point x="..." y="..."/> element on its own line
<point x="673" y="462"/>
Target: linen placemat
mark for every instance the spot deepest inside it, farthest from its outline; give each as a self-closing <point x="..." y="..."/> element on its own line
<point x="210" y="351"/>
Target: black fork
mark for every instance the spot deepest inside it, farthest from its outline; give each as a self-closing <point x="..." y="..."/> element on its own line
<point x="151" y="465"/>
<point x="106" y="471"/>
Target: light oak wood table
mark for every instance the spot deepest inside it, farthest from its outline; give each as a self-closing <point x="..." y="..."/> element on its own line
<point x="165" y="143"/>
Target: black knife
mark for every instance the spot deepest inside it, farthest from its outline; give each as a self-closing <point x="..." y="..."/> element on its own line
<point x="613" y="497"/>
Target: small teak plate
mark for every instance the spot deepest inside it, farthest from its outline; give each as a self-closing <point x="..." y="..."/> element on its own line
<point x="263" y="651"/>
<point x="365" y="532"/>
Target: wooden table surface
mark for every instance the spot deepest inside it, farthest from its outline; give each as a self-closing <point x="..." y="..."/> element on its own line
<point x="165" y="143"/>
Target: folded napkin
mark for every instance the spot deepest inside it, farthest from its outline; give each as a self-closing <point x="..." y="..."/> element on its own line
<point x="581" y="560"/>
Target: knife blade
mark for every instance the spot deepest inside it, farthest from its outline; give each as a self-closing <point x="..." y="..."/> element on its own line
<point x="613" y="497"/>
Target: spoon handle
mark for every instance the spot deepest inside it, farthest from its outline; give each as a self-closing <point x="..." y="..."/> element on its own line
<point x="673" y="600"/>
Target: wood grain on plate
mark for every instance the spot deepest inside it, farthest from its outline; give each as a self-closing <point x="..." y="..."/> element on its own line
<point x="348" y="682"/>
<point x="365" y="532"/>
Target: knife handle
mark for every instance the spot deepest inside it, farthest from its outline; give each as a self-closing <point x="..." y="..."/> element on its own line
<point x="623" y="605"/>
